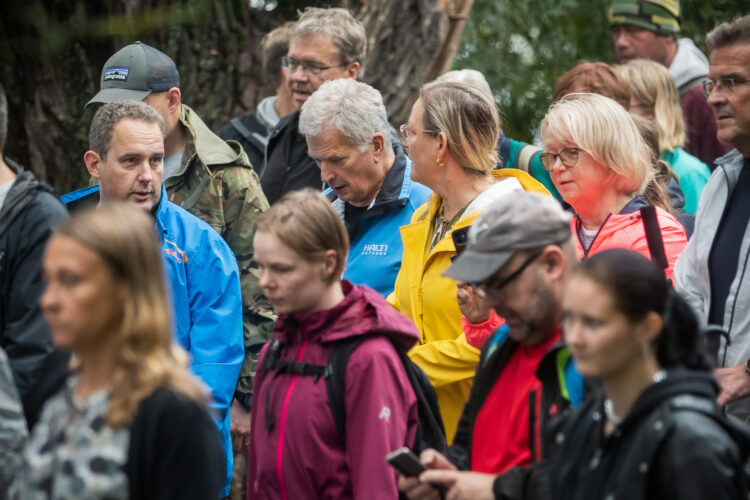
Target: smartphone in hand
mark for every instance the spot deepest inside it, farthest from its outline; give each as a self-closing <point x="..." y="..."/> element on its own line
<point x="405" y="462"/>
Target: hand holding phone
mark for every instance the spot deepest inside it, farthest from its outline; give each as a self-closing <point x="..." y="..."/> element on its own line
<point x="405" y="462"/>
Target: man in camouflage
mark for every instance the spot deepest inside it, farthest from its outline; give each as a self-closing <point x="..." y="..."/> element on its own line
<point x="209" y="177"/>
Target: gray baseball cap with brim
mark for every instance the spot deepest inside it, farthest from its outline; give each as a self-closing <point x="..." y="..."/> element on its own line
<point x="134" y="72"/>
<point x="520" y="221"/>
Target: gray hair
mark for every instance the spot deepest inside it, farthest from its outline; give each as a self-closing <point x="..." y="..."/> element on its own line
<point x="354" y="108"/>
<point x="3" y="119"/>
<point x="346" y="33"/>
<point x="467" y="76"/>
<point x="725" y="34"/>
<point x="109" y="115"/>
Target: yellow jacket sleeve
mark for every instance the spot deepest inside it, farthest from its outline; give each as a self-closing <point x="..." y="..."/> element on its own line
<point x="446" y="361"/>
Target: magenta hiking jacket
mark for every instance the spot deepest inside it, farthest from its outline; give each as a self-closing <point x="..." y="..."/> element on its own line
<point x="301" y="456"/>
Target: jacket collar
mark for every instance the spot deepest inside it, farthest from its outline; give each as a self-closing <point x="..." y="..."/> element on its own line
<point x="210" y="149"/>
<point x="363" y="311"/>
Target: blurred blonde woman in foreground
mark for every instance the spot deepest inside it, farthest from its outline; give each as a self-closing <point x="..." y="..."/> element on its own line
<point x="131" y="422"/>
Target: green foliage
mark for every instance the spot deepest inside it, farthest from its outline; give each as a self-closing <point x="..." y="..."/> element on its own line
<point x="523" y="46"/>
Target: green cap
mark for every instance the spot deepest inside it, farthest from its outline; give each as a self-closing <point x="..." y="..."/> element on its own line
<point x="134" y="72"/>
<point x="660" y="16"/>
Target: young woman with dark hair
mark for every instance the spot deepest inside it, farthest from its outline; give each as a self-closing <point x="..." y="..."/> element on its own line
<point x="655" y="432"/>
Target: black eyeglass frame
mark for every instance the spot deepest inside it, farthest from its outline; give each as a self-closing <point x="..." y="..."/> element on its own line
<point x="488" y="288"/>
<point x="544" y="158"/>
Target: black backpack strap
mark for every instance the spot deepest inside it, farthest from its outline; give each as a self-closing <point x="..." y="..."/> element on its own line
<point x="335" y="378"/>
<point x="653" y="238"/>
<point x="273" y="363"/>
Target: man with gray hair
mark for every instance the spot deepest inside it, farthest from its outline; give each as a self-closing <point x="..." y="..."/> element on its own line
<point x="348" y="137"/>
<point x="127" y="158"/>
<point x="711" y="272"/>
<point x="325" y="44"/>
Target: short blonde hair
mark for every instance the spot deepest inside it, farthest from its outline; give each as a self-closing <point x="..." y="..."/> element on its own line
<point x="306" y="222"/>
<point x="469" y="119"/>
<point x="606" y="131"/>
<point x="147" y="356"/>
<point x="652" y="85"/>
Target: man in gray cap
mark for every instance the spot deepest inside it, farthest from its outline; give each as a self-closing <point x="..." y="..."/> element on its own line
<point x="210" y="178"/>
<point x="518" y="259"/>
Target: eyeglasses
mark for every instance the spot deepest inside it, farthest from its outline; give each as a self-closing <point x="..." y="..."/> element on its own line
<point x="291" y="64"/>
<point x="487" y="287"/>
<point x="406" y="132"/>
<point x="722" y="84"/>
<point x="568" y="157"/>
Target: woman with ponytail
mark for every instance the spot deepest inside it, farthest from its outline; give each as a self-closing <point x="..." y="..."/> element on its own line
<point x="655" y="431"/>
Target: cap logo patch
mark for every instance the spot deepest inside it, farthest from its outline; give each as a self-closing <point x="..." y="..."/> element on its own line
<point x="119" y="73"/>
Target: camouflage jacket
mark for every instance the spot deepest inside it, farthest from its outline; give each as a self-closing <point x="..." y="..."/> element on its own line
<point x="216" y="183"/>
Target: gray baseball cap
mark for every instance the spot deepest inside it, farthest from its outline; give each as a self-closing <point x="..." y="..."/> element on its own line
<point x="134" y="72"/>
<point x="520" y="221"/>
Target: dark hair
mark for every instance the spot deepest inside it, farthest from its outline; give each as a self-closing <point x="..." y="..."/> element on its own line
<point x="638" y="288"/>
<point x="725" y="34"/>
<point x="3" y="118"/>
<point x="596" y="78"/>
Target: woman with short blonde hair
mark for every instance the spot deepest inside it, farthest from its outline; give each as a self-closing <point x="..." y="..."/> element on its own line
<point x="601" y="166"/>
<point x="131" y="421"/>
<point x="654" y="96"/>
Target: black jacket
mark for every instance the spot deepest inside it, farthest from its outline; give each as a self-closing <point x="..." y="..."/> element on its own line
<point x="29" y="213"/>
<point x="674" y="444"/>
<point x="519" y="482"/>
<point x="288" y="166"/>
<point x="175" y="450"/>
<point x="251" y="133"/>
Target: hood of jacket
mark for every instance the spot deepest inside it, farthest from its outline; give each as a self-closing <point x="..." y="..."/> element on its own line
<point x="266" y="114"/>
<point x="210" y="148"/>
<point x="689" y="63"/>
<point x="362" y="312"/>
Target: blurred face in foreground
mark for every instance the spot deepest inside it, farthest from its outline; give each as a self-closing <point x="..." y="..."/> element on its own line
<point x="82" y="301"/>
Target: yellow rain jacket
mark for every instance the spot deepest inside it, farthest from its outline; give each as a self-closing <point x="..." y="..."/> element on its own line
<point x="429" y="299"/>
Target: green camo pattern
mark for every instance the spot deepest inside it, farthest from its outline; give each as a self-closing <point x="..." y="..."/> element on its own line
<point x="216" y="183"/>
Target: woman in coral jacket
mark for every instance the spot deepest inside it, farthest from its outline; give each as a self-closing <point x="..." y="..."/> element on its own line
<point x="450" y="138"/>
<point x="296" y="449"/>
<point x="601" y="165"/>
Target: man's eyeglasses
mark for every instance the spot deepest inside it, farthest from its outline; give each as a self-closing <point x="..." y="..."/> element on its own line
<point x="487" y="287"/>
<point x="568" y="157"/>
<point x="291" y="64"/>
<point x="722" y="84"/>
<point x="406" y="132"/>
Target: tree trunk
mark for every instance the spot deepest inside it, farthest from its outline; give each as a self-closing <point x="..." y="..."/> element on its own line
<point x="53" y="52"/>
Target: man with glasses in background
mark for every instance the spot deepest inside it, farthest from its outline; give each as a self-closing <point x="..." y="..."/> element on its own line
<point x="325" y="44"/>
<point x="711" y="272"/>
<point x="519" y="256"/>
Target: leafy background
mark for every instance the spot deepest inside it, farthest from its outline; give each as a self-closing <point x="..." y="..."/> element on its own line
<point x="522" y="47"/>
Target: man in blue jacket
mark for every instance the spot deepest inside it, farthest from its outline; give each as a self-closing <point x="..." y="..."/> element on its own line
<point x="126" y="156"/>
<point x="348" y="137"/>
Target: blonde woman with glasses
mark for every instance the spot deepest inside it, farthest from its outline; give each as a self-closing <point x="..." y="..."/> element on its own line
<point x="601" y="167"/>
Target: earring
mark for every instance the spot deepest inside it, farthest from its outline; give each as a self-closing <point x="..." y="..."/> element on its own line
<point x="440" y="163"/>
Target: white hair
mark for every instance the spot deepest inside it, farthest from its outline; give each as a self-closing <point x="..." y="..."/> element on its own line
<point x="354" y="108"/>
<point x="467" y="76"/>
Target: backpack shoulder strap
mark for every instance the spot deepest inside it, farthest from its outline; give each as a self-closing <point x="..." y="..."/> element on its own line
<point x="335" y="378"/>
